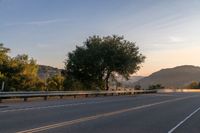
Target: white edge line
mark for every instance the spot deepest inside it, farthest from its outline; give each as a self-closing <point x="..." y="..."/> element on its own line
<point x="63" y="105"/>
<point x="66" y="105"/>
<point x="180" y="123"/>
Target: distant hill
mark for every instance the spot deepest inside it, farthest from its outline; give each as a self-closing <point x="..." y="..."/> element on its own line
<point x="47" y="71"/>
<point x="131" y="81"/>
<point x="177" y="77"/>
<point x="126" y="83"/>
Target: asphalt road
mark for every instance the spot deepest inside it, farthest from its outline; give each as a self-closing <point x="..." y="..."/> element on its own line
<point x="148" y="113"/>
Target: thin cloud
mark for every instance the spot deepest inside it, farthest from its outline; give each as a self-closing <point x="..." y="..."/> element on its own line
<point x="40" y="22"/>
<point x="175" y="39"/>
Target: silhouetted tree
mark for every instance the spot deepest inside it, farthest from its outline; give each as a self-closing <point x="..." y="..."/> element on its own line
<point x="101" y="58"/>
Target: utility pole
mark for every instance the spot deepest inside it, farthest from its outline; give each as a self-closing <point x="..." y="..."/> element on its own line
<point x="2" y="87"/>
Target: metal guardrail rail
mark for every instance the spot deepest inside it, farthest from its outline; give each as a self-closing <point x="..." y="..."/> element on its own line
<point x="61" y="94"/>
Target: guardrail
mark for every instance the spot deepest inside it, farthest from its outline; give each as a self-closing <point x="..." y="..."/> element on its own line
<point x="177" y="90"/>
<point x="61" y="94"/>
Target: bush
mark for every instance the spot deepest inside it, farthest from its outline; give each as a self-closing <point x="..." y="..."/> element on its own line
<point x="137" y="87"/>
<point x="156" y="86"/>
<point x="194" y="85"/>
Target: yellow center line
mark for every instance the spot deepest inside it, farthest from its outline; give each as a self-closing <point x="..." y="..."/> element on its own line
<point x="84" y="119"/>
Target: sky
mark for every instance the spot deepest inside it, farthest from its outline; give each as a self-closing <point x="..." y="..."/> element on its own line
<point x="166" y="31"/>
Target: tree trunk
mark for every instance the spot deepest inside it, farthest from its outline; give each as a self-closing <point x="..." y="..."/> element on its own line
<point x="107" y="80"/>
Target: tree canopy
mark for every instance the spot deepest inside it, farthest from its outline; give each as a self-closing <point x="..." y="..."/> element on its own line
<point x="102" y="58"/>
<point x="4" y="61"/>
<point x="18" y="73"/>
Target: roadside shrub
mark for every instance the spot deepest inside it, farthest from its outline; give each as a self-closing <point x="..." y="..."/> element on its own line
<point x="156" y="86"/>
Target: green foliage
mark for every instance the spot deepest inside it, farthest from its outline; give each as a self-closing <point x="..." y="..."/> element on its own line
<point x="137" y="87"/>
<point x="75" y="85"/>
<point x="22" y="74"/>
<point x="194" y="85"/>
<point x="26" y="77"/>
<point x="101" y="58"/>
<point x="4" y="60"/>
<point x="55" y="83"/>
<point x="40" y="85"/>
<point x="18" y="73"/>
<point x="156" y="86"/>
<point x="3" y="53"/>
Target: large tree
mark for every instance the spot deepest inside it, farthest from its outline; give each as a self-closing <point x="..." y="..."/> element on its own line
<point x="4" y="58"/>
<point x="27" y="77"/>
<point x="101" y="58"/>
<point x="4" y="62"/>
<point x="18" y="73"/>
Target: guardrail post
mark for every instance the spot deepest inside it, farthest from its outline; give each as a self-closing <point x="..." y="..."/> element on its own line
<point x="45" y="98"/>
<point x="25" y="99"/>
<point x="2" y="87"/>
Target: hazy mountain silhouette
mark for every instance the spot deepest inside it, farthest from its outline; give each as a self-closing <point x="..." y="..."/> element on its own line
<point x="45" y="72"/>
<point x="177" y="77"/>
<point x="131" y="81"/>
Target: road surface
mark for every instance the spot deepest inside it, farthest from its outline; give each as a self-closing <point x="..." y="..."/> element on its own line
<point x="148" y="113"/>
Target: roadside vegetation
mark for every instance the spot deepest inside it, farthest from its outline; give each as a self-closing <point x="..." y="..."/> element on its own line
<point x="156" y="86"/>
<point x="89" y="67"/>
<point x="193" y="85"/>
<point x="20" y="73"/>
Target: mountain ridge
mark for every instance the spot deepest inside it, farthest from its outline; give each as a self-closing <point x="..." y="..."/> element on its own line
<point x="176" y="77"/>
<point x="45" y="71"/>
